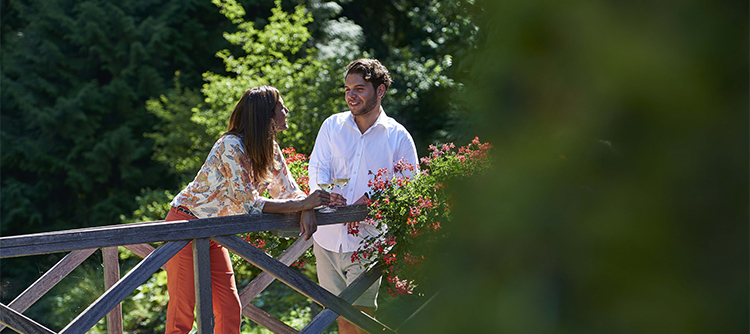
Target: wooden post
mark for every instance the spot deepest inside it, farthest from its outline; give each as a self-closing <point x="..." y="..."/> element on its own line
<point x="202" y="274"/>
<point x="111" y="276"/>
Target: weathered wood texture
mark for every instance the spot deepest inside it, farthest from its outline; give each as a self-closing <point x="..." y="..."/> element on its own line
<point x="142" y="250"/>
<point x="350" y="294"/>
<point x="262" y="281"/>
<point x="139" y="274"/>
<point x="83" y="242"/>
<point x="300" y="283"/>
<point x="20" y="323"/>
<point x="202" y="273"/>
<point x="266" y="320"/>
<point x="115" y="235"/>
<point x="49" y="280"/>
<point x="111" y="259"/>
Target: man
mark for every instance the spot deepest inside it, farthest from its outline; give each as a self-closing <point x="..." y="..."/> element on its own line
<point x="368" y="140"/>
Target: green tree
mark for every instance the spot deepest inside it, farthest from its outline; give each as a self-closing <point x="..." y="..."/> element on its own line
<point x="424" y="43"/>
<point x="75" y="76"/>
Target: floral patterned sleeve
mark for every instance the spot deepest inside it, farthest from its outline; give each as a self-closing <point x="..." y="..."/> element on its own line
<point x="282" y="183"/>
<point x="223" y="185"/>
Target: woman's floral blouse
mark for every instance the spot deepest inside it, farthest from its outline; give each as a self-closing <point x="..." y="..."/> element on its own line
<point x="224" y="185"/>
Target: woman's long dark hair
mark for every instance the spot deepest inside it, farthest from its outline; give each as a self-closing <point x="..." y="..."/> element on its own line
<point x="252" y="121"/>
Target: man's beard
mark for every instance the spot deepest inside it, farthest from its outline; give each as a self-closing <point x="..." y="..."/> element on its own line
<point x="368" y="107"/>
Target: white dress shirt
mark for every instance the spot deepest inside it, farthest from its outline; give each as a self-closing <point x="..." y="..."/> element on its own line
<point x="381" y="146"/>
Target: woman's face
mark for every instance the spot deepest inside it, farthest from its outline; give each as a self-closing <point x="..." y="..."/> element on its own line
<point x="279" y="117"/>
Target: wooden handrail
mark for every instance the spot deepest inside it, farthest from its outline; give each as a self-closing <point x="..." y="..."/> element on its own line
<point x="160" y="231"/>
<point x="176" y="234"/>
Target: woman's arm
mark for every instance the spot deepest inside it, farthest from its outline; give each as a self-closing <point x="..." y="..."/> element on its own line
<point x="308" y="224"/>
<point x="316" y="199"/>
<point x="283" y="205"/>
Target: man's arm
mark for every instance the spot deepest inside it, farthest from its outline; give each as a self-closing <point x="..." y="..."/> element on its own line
<point x="407" y="150"/>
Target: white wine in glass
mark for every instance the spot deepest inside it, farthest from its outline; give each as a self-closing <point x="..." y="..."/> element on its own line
<point x="340" y="172"/>
<point x="341" y="183"/>
<point x="325" y="182"/>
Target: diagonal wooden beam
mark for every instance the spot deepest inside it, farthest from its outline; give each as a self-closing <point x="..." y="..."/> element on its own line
<point x="142" y="250"/>
<point x="301" y="283"/>
<point x="49" y="280"/>
<point x="20" y="323"/>
<point x="266" y="320"/>
<point x="350" y="294"/>
<point x="262" y="281"/>
<point x="139" y="274"/>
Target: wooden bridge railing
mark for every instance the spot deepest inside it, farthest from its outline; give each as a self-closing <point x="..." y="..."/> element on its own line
<point x="81" y="243"/>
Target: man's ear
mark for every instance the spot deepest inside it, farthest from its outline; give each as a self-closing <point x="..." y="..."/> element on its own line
<point x="381" y="91"/>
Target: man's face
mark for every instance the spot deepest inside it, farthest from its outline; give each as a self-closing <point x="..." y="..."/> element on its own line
<point x="360" y="95"/>
<point x="280" y="112"/>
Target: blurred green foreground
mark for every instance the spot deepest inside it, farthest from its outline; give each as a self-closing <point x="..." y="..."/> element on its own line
<point x="618" y="200"/>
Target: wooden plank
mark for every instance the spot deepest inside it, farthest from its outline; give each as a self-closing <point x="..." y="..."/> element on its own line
<point x="49" y="280"/>
<point x="350" y="294"/>
<point x="300" y="283"/>
<point x="139" y="274"/>
<point x="202" y="274"/>
<point x="115" y="235"/>
<point x="266" y="320"/>
<point x="142" y="250"/>
<point x="264" y="279"/>
<point x="20" y="323"/>
<point x="111" y="260"/>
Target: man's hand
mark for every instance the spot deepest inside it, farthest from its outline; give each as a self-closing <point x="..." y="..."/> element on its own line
<point x="337" y="200"/>
<point x="361" y="200"/>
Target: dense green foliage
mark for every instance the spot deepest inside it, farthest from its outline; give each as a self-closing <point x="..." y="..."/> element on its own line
<point x="618" y="200"/>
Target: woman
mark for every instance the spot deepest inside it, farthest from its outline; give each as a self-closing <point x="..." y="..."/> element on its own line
<point x="243" y="162"/>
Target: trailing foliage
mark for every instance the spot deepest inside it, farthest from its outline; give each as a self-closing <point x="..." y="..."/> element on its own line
<point x="407" y="211"/>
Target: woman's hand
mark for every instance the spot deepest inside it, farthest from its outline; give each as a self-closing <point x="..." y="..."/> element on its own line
<point x="307" y="224"/>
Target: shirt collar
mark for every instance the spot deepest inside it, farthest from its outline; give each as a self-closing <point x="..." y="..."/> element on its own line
<point x="381" y="120"/>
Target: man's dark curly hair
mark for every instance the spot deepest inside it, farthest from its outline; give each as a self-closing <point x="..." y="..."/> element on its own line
<point x="371" y="70"/>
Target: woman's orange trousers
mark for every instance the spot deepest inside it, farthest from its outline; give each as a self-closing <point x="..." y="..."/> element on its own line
<point x="181" y="288"/>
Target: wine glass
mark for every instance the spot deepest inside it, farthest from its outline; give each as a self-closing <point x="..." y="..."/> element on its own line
<point x="340" y="172"/>
<point x="325" y="182"/>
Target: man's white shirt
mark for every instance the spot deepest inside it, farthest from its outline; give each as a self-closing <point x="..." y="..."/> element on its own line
<point x="381" y="146"/>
